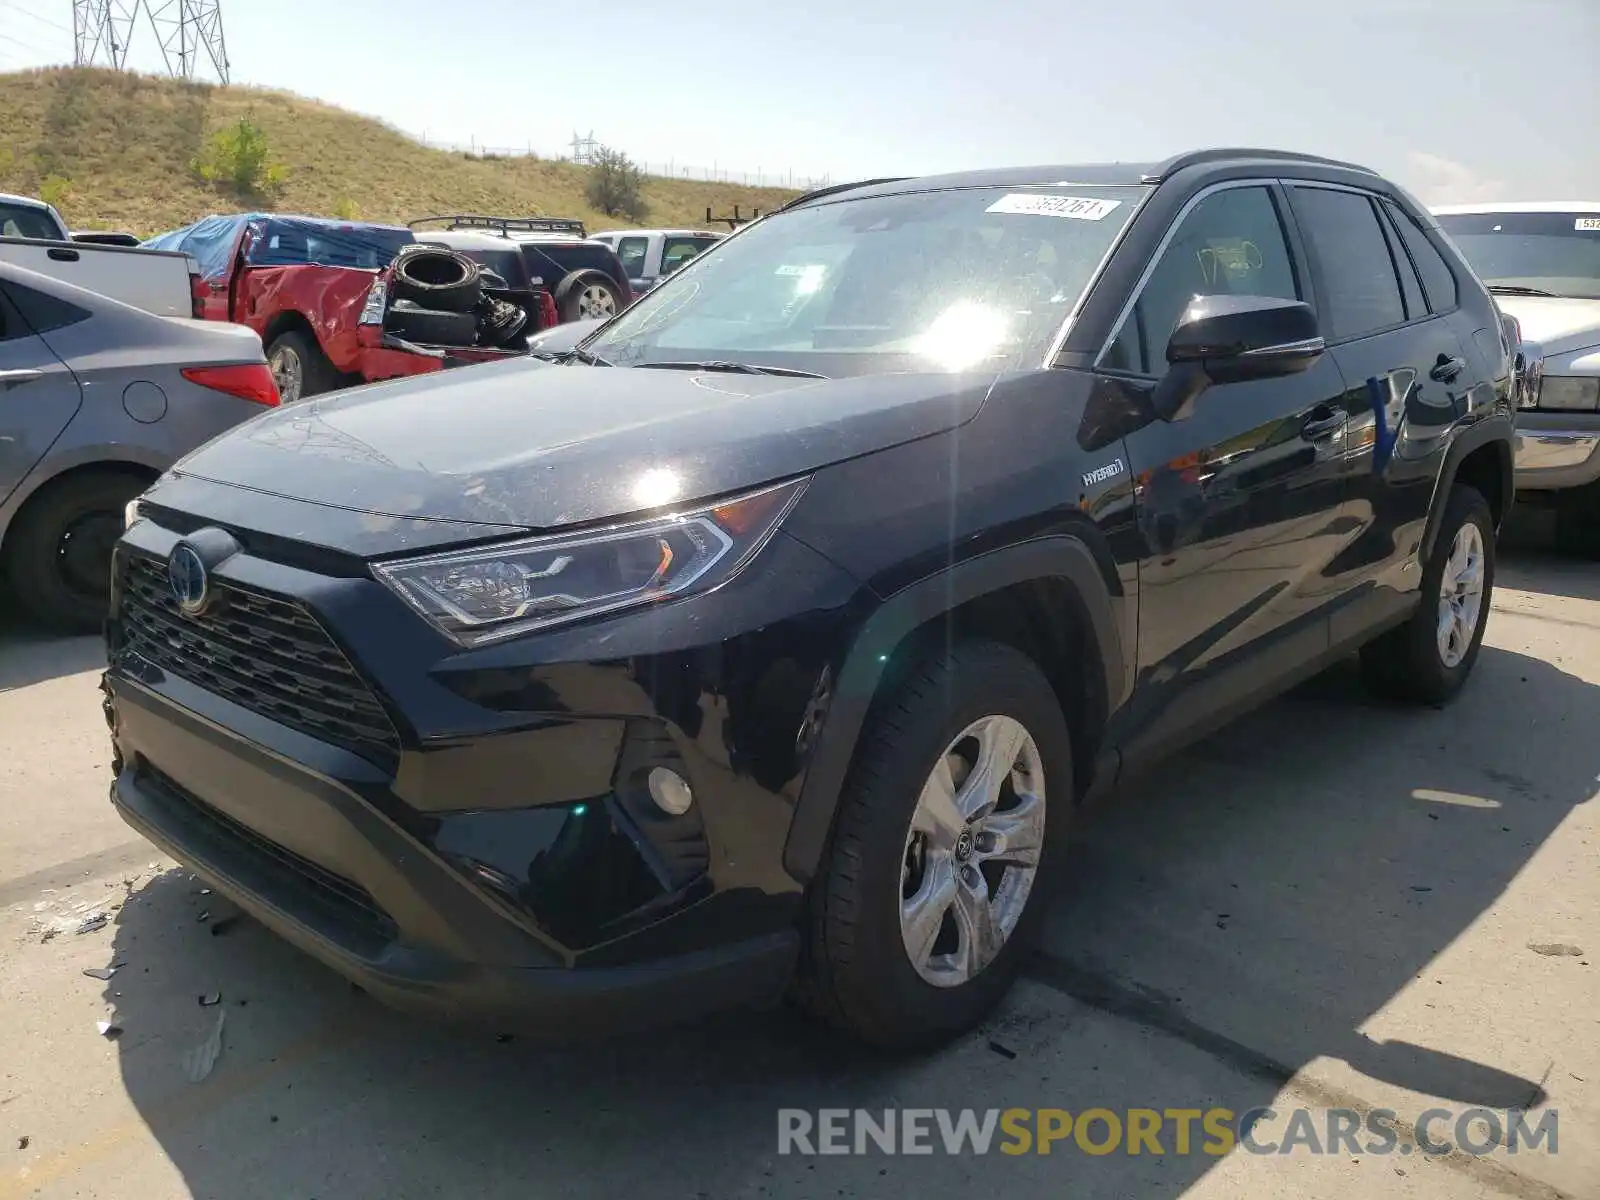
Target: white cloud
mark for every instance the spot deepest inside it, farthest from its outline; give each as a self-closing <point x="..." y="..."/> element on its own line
<point x="1439" y="180"/>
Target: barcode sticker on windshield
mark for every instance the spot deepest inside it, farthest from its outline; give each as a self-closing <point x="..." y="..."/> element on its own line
<point x="1588" y="224"/>
<point x="1079" y="208"/>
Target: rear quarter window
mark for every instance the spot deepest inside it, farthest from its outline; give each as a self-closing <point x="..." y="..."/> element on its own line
<point x="25" y="221"/>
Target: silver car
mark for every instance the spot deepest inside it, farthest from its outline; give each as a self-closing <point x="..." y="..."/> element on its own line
<point x="96" y="400"/>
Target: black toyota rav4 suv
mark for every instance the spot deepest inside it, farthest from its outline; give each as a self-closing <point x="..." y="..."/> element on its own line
<point x="771" y="638"/>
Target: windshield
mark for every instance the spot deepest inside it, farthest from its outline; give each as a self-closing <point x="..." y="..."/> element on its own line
<point x="1557" y="253"/>
<point x="948" y="280"/>
<point x="25" y="221"/>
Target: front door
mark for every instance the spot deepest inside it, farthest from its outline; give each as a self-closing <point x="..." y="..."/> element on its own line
<point x="38" y="394"/>
<point x="1239" y="502"/>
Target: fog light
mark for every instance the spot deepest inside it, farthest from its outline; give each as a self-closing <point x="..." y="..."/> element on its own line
<point x="670" y="791"/>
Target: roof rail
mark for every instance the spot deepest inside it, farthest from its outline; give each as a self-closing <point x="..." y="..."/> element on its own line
<point x="505" y="225"/>
<point x="835" y="188"/>
<point x="1193" y="158"/>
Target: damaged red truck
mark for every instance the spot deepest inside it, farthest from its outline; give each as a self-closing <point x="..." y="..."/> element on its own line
<point x="324" y="297"/>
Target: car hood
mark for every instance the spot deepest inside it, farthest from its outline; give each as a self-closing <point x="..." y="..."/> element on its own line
<point x="1557" y="324"/>
<point x="529" y="445"/>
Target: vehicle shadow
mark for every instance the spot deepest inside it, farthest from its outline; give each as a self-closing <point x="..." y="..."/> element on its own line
<point x="1244" y="911"/>
<point x="31" y="655"/>
<point x="1531" y="561"/>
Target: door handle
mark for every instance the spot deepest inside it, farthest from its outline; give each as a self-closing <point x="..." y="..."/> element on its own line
<point x="62" y="254"/>
<point x="1447" y="368"/>
<point x="21" y="375"/>
<point x="1322" y="422"/>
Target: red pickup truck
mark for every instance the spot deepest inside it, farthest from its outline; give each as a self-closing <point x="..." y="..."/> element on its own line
<point x="333" y="307"/>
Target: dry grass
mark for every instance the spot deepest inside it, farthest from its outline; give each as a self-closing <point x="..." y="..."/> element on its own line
<point x="125" y="145"/>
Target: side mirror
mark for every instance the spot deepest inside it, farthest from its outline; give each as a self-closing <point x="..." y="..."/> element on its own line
<point x="1232" y="339"/>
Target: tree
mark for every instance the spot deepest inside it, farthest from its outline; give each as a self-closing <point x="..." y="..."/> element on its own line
<point x="238" y="156"/>
<point x="616" y="185"/>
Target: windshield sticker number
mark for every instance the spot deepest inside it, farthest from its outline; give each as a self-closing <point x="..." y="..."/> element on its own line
<point x="1079" y="208"/>
<point x="1587" y="224"/>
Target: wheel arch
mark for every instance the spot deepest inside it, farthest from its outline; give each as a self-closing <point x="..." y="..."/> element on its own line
<point x="104" y="460"/>
<point x="1048" y="597"/>
<point x="283" y="322"/>
<point x="1481" y="456"/>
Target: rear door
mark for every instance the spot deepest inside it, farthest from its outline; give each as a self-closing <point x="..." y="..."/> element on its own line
<point x="38" y="394"/>
<point x="1406" y="376"/>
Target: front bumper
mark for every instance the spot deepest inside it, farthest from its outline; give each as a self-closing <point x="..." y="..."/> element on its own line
<point x="1556" y="451"/>
<point x="500" y="865"/>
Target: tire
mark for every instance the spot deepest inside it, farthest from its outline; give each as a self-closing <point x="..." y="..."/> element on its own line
<point x="586" y="295"/>
<point x="299" y="367"/>
<point x="432" y="326"/>
<point x="1578" y="521"/>
<point x="1408" y="663"/>
<point x="856" y="971"/>
<point x="57" y="561"/>
<point x="440" y="280"/>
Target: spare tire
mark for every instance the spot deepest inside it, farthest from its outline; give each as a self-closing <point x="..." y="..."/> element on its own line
<point x="438" y="279"/>
<point x="410" y="320"/>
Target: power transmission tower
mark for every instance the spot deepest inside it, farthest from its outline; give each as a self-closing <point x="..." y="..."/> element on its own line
<point x="185" y="30"/>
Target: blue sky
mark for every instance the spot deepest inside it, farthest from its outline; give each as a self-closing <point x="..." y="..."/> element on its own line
<point x="1457" y="99"/>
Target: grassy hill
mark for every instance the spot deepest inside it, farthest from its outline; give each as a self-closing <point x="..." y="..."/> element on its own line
<point x="116" y="151"/>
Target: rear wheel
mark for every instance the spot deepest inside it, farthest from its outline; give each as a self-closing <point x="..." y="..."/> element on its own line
<point x="1427" y="659"/>
<point x="948" y="832"/>
<point x="58" y="558"/>
<point x="299" y="367"/>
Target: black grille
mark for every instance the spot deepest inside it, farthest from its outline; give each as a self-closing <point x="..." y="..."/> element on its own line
<point x="346" y="908"/>
<point x="266" y="654"/>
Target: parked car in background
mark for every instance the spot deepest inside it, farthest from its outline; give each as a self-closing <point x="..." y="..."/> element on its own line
<point x="319" y="294"/>
<point x="585" y="277"/>
<point x="650" y="255"/>
<point x="33" y="236"/>
<point x="774" y="637"/>
<point x="1542" y="263"/>
<point x="97" y="398"/>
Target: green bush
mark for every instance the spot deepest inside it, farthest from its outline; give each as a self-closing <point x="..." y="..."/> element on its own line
<point x="346" y="209"/>
<point x="238" y="157"/>
<point x="55" y="191"/>
<point x="615" y="185"/>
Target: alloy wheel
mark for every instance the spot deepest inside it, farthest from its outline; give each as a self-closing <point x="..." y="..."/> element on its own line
<point x="289" y="373"/>
<point x="1460" y="595"/>
<point x="972" y="851"/>
<point x="596" y="301"/>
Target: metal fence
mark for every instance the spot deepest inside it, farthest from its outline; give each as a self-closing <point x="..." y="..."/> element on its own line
<point x="671" y="169"/>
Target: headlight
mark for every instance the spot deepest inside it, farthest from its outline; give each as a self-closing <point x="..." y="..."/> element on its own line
<point x="499" y="591"/>
<point x="1569" y="392"/>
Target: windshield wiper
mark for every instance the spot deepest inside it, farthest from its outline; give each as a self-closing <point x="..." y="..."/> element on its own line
<point x="1516" y="289"/>
<point x="732" y="368"/>
<point x="584" y="356"/>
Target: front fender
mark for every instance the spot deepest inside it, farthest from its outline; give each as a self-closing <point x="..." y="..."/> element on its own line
<point x="894" y="621"/>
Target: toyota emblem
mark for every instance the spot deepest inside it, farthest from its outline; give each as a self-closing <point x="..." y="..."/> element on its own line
<point x="188" y="578"/>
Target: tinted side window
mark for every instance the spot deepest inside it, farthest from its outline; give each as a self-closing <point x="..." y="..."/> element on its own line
<point x="1231" y="243"/>
<point x="1438" y="280"/>
<point x="42" y="313"/>
<point x="678" y="250"/>
<point x="1363" y="294"/>
<point x="633" y="251"/>
<point x="1410" y="285"/>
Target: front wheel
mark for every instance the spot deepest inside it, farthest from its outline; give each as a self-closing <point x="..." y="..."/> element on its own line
<point x="948" y="833"/>
<point x="1426" y="660"/>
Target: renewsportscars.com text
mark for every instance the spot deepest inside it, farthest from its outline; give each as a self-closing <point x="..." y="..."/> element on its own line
<point x="1180" y="1131"/>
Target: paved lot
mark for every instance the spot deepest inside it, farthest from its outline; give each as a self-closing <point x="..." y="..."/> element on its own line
<point x="1331" y="903"/>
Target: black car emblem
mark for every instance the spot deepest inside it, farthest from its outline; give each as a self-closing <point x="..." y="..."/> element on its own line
<point x="188" y="578"/>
